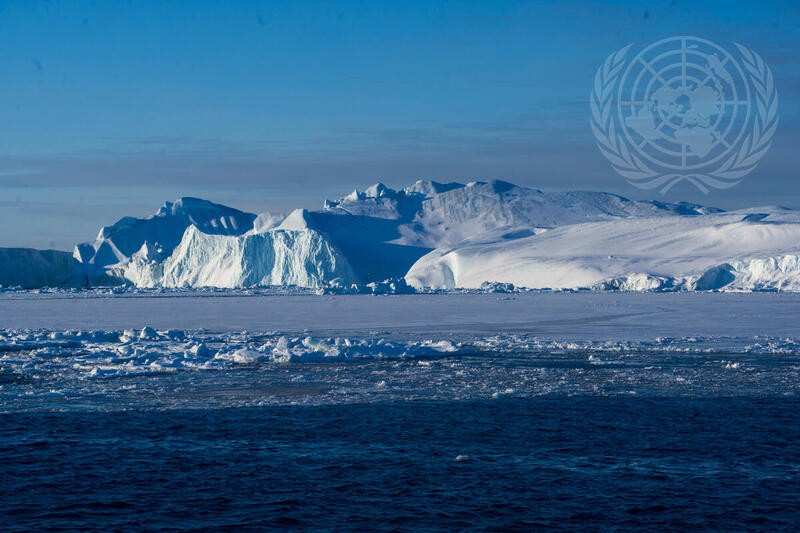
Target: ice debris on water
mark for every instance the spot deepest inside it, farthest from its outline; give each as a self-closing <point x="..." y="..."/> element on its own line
<point x="388" y="286"/>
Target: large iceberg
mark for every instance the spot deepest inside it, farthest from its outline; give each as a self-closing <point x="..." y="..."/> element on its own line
<point x="161" y="232"/>
<point x="383" y="232"/>
<point x="753" y="249"/>
<point x="280" y="257"/>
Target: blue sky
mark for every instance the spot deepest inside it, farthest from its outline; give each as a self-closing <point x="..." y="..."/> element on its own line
<point x="111" y="108"/>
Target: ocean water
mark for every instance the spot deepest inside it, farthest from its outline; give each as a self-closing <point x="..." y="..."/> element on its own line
<point x="514" y="464"/>
<point x="197" y="412"/>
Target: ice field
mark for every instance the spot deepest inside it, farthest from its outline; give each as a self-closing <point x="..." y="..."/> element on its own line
<point x="199" y="349"/>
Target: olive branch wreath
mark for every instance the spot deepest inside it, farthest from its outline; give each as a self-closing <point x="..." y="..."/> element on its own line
<point x="729" y="173"/>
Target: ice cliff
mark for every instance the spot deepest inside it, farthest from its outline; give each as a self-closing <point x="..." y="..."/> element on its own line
<point x="281" y="257"/>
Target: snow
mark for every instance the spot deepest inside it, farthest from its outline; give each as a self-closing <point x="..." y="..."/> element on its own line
<point x="382" y="232"/>
<point x="267" y="221"/>
<point x="731" y="250"/>
<point x="161" y="232"/>
<point x="461" y="213"/>
<point x="430" y="214"/>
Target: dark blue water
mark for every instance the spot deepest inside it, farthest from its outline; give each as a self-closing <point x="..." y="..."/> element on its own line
<point x="587" y="463"/>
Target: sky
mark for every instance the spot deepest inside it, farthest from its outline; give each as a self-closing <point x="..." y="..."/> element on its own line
<point x="111" y="108"/>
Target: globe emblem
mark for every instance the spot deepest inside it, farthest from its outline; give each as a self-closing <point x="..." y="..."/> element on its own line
<point x="684" y="108"/>
<point x="683" y="102"/>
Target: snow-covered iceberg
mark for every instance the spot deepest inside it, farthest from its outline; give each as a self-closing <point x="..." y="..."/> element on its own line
<point x="383" y="231"/>
<point x="752" y="249"/>
<point x="161" y="232"/>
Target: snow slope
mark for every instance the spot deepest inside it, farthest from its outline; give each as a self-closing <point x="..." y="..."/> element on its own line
<point x="161" y="232"/>
<point x="29" y="268"/>
<point x="755" y="249"/>
<point x="431" y="214"/>
<point x="463" y="212"/>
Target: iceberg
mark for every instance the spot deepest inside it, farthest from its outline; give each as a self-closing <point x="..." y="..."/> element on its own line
<point x="383" y="232"/>
<point x="731" y="251"/>
<point x="161" y="232"/>
<point x="279" y="257"/>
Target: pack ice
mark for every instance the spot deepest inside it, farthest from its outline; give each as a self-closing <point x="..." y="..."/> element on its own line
<point x="452" y="235"/>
